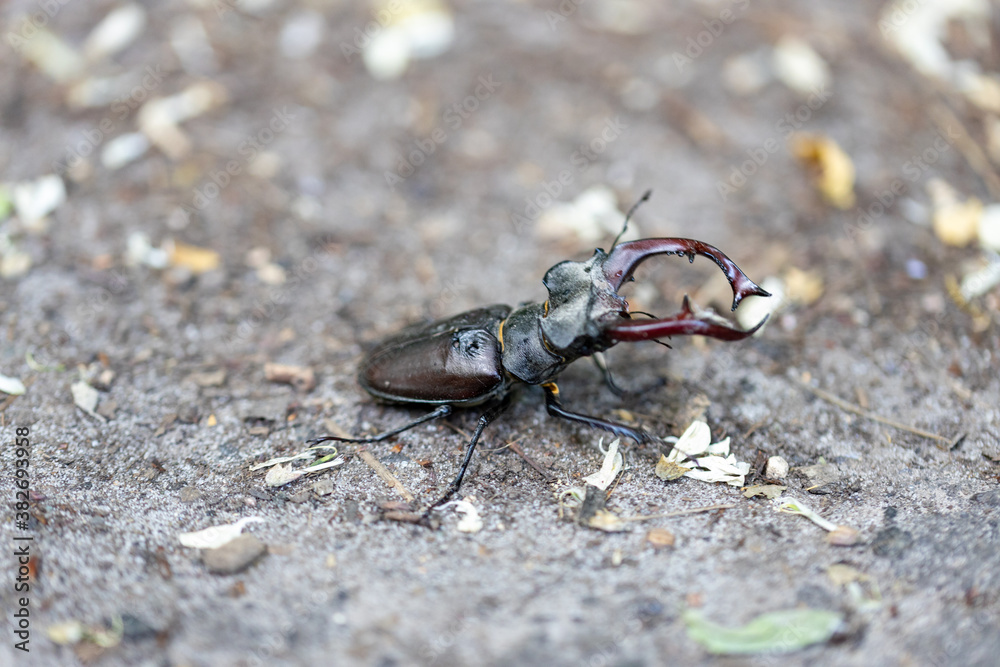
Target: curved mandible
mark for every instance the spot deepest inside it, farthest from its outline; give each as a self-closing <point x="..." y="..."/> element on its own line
<point x="624" y="258"/>
<point x="683" y="323"/>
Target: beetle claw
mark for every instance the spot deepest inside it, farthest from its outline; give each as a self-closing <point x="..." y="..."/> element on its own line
<point x="683" y="323"/>
<point x="624" y="259"/>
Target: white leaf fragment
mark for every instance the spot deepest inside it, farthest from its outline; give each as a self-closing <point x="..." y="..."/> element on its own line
<point x="793" y="506"/>
<point x="85" y="398"/>
<point x="613" y="464"/>
<point x="707" y="462"/>
<point x="12" y="386"/>
<point x="36" y="199"/>
<point x="115" y="32"/>
<point x="470" y="521"/>
<point x="799" y="67"/>
<point x="285" y="459"/>
<point x="280" y="475"/>
<point x="216" y="536"/>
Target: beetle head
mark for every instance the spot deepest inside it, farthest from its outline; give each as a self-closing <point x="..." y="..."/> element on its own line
<point x="585" y="313"/>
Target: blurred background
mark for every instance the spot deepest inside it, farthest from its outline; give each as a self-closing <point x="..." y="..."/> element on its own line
<point x="192" y="189"/>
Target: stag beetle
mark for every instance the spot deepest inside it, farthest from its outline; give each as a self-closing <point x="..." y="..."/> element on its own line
<point x="476" y="358"/>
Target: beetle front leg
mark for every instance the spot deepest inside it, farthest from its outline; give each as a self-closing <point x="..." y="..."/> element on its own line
<point x="602" y="365"/>
<point x="556" y="409"/>
<point x="437" y="413"/>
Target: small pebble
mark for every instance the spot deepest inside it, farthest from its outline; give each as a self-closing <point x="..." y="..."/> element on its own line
<point x="916" y="269"/>
<point x="777" y="468"/>
<point x="660" y="538"/>
<point x="234" y="556"/>
<point x="190" y="494"/>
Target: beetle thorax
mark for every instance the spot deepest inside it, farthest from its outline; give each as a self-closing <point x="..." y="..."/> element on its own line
<point x="581" y="304"/>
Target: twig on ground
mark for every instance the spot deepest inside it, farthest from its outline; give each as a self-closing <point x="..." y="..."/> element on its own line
<point x="693" y="510"/>
<point x="385" y="474"/>
<point x="945" y="119"/>
<point x="516" y="448"/>
<point x="858" y="410"/>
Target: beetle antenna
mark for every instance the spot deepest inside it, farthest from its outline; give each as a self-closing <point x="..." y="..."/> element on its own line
<point x="628" y="216"/>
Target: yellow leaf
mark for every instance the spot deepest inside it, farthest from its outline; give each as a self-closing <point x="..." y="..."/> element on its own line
<point x="198" y="260"/>
<point x="668" y="470"/>
<point x="834" y="170"/>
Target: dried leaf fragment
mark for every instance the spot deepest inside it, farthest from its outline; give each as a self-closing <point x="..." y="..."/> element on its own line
<point x="775" y="632"/>
<point x="470" y="522"/>
<point x="216" y="536"/>
<point x="613" y="464"/>
<point x="301" y="377"/>
<point x="85" y="397"/>
<point x="606" y="521"/>
<point x="803" y="287"/>
<point x="770" y="491"/>
<point x="660" y="538"/>
<point x="196" y="259"/>
<point x="834" y="170"/>
<point x="12" y="386"/>
<point x="280" y="475"/>
<point x="956" y="222"/>
<point x="840" y="536"/>
<point x="669" y="470"/>
<point x="706" y="461"/>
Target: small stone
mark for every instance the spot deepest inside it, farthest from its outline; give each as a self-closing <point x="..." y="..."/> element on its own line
<point x="955" y="221"/>
<point x="991" y="498"/>
<point x="107" y="409"/>
<point x="891" y="542"/>
<point x="323" y="487"/>
<point x="660" y="538"/>
<point x="136" y="629"/>
<point x="777" y="468"/>
<point x="842" y="536"/>
<point x="190" y="494"/>
<point x="300" y="377"/>
<point x="300" y="497"/>
<point x="799" y="67"/>
<point x="234" y="556"/>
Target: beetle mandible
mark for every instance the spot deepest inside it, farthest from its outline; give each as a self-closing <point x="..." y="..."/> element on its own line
<point x="475" y="358"/>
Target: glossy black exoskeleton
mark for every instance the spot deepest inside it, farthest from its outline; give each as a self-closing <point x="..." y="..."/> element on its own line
<point x="476" y="357"/>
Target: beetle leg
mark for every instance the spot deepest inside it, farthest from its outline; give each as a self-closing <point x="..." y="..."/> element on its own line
<point x="556" y="409"/>
<point x="602" y="365"/>
<point x="485" y="420"/>
<point x="683" y="323"/>
<point x="437" y="413"/>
